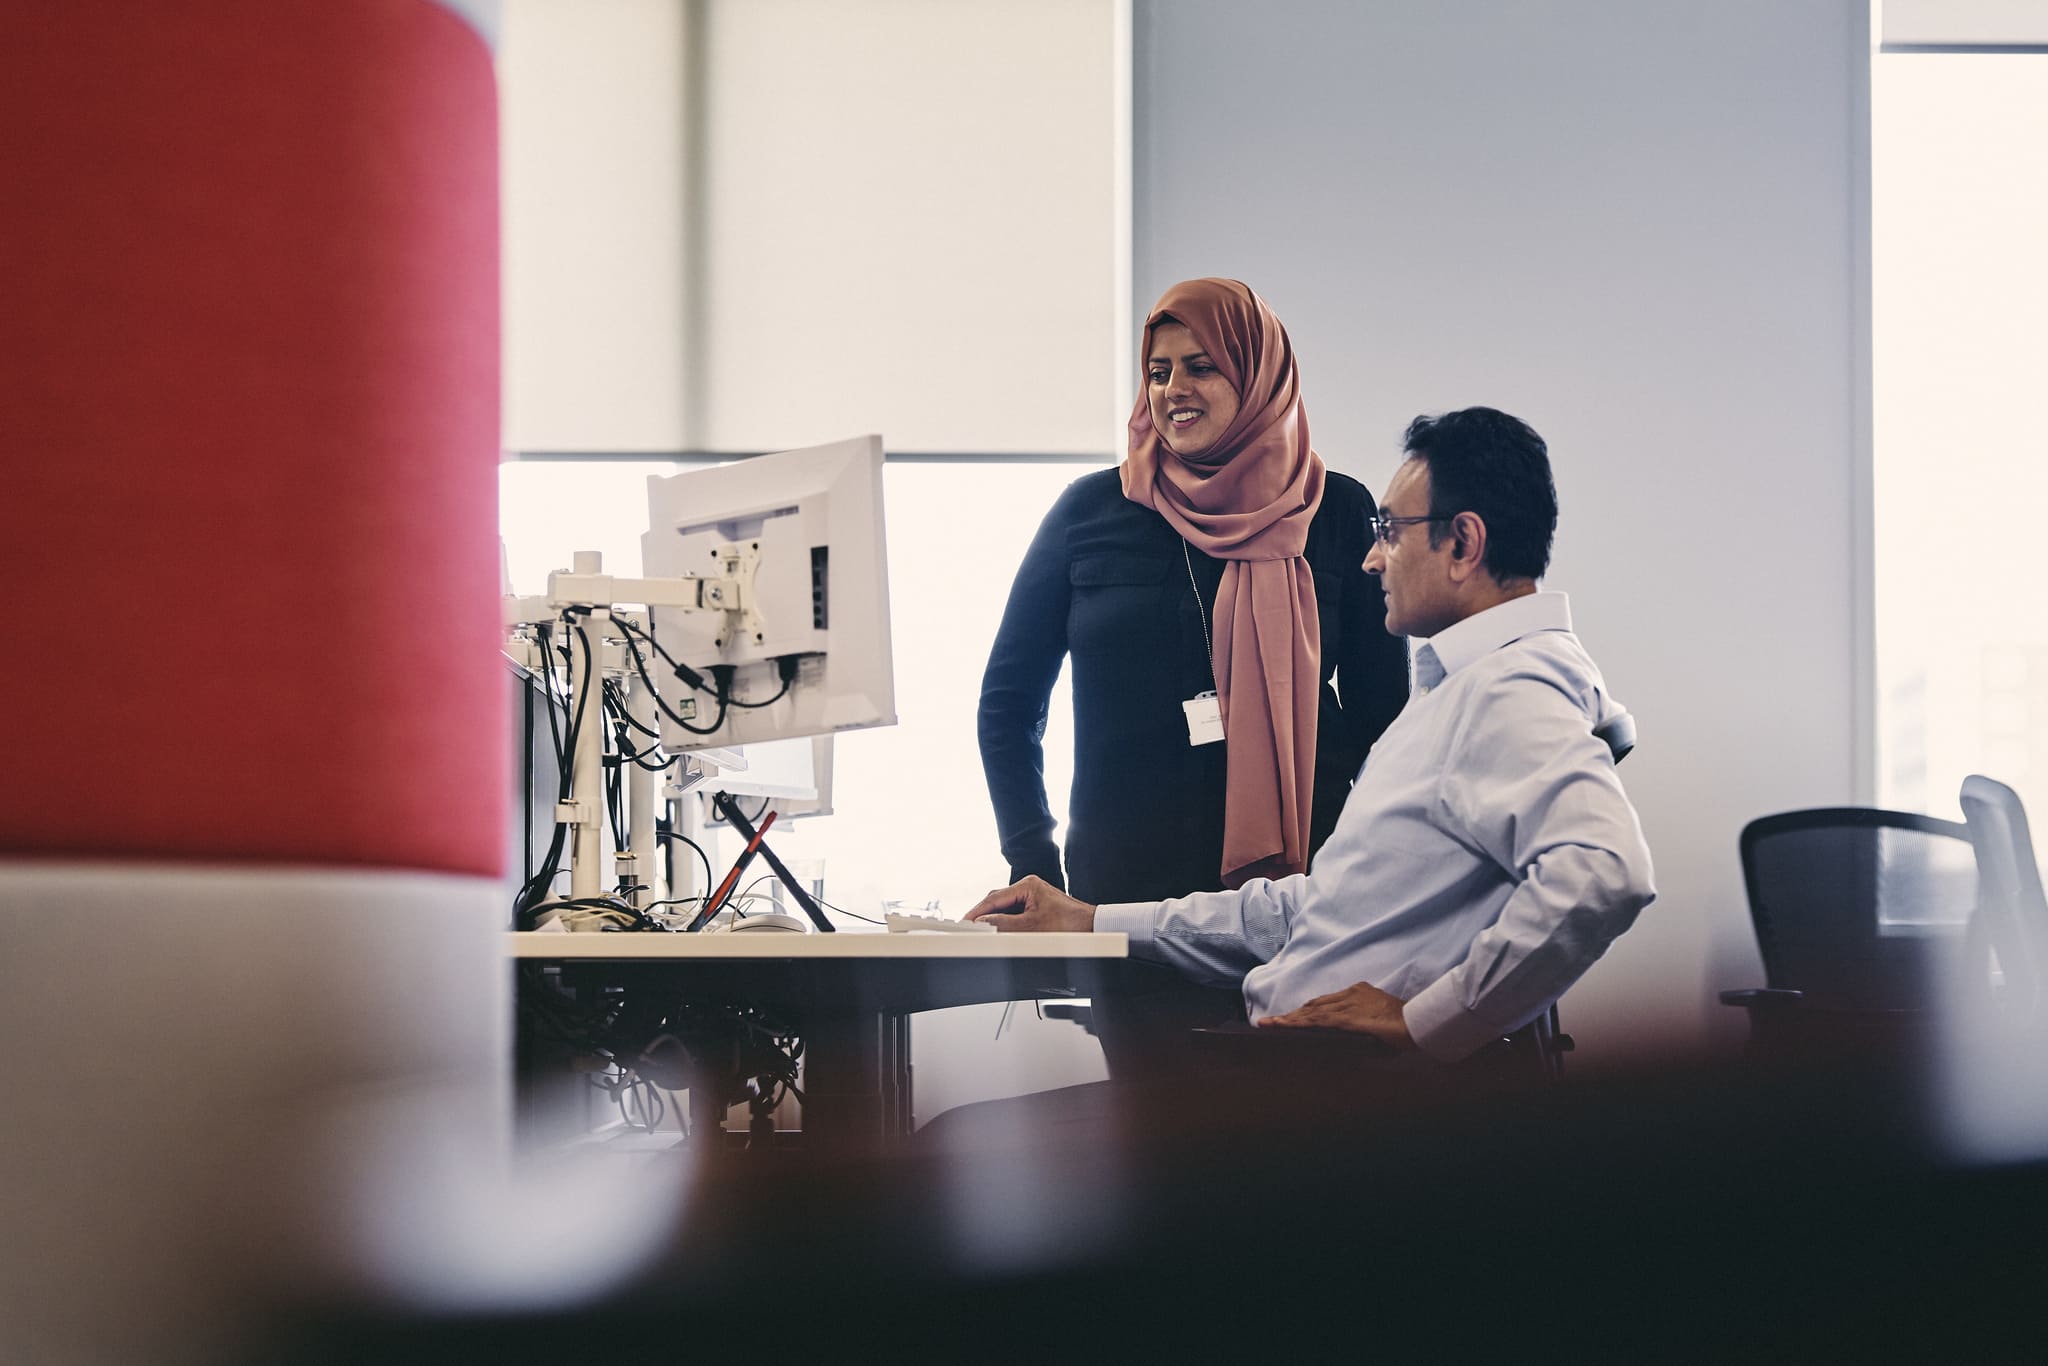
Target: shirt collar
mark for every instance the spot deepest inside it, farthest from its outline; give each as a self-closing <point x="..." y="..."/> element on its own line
<point x="1480" y="634"/>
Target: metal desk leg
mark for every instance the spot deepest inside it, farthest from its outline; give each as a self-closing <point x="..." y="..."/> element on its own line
<point x="897" y="1097"/>
<point x="845" y="1108"/>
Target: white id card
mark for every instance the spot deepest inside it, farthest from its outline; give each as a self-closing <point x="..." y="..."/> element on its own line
<point x="1205" y="719"/>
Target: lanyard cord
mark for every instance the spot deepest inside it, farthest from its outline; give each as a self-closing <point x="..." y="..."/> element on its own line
<point x="1201" y="611"/>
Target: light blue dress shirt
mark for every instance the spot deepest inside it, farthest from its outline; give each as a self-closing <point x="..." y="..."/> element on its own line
<point x="1485" y="858"/>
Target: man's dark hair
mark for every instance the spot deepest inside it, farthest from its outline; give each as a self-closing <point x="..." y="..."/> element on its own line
<point x="1482" y="460"/>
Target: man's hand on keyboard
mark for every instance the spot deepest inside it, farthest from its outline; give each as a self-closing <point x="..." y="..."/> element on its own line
<point x="1362" y="1009"/>
<point x="1034" y="905"/>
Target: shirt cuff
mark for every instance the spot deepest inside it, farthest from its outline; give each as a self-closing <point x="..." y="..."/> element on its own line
<point x="1441" y="1025"/>
<point x="1133" y="918"/>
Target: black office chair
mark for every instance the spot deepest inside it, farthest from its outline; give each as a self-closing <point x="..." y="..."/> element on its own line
<point x="2011" y="926"/>
<point x="1862" y="917"/>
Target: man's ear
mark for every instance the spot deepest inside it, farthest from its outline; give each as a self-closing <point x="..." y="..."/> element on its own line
<point x="1468" y="544"/>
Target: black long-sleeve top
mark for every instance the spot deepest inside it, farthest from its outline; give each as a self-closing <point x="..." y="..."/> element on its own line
<point x="1107" y="582"/>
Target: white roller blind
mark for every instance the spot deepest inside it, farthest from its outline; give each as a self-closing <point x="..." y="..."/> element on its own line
<point x="911" y="224"/>
<point x="1964" y="23"/>
<point x="752" y="224"/>
<point x="592" y="130"/>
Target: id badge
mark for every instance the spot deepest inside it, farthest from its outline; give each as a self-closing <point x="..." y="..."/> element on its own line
<point x="1205" y="718"/>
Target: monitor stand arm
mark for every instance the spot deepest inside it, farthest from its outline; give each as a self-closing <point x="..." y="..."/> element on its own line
<point x="582" y="598"/>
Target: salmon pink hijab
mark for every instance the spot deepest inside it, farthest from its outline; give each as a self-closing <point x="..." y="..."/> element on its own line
<point x="1248" y="500"/>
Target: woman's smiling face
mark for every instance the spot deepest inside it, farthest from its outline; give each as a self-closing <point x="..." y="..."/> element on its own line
<point x="1193" y="405"/>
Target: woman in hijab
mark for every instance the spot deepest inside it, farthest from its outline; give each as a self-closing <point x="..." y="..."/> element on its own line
<point x="1231" y="665"/>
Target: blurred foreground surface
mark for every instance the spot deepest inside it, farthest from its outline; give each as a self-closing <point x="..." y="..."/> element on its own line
<point x="1800" y="1214"/>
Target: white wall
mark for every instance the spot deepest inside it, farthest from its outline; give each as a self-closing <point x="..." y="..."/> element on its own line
<point x="1637" y="226"/>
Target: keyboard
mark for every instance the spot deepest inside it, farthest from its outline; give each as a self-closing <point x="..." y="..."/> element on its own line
<point x="899" y="923"/>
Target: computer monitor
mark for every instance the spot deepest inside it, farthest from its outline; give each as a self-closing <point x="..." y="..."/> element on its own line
<point x="813" y="656"/>
<point x="792" y="776"/>
<point x="536" y="769"/>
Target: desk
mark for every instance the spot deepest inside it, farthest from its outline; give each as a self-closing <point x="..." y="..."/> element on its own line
<point x="851" y="994"/>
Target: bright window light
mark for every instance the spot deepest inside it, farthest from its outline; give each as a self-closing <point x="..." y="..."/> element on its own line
<point x="1960" y="325"/>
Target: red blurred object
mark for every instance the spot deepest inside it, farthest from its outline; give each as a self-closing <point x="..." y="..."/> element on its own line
<point x="251" y="432"/>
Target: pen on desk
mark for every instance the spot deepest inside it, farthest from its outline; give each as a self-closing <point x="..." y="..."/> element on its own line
<point x="730" y="809"/>
<point x="724" y="888"/>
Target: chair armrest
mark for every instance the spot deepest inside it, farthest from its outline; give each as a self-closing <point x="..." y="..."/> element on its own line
<point x="1782" y="999"/>
<point x="1768" y="998"/>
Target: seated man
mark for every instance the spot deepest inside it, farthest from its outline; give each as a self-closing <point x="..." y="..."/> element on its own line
<point x="1487" y="854"/>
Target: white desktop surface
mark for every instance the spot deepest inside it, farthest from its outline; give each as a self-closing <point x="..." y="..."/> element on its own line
<point x="770" y="944"/>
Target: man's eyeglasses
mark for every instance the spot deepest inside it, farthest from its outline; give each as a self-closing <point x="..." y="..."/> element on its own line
<point x="1384" y="528"/>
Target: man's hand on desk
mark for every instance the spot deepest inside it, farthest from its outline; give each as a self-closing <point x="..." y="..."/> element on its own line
<point x="1362" y="1009"/>
<point x="1034" y="905"/>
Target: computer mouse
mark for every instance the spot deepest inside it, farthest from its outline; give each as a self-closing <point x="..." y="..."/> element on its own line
<point x="771" y="922"/>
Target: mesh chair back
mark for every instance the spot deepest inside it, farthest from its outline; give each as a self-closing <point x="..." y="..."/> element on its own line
<point x="1860" y="909"/>
<point x="2014" y="918"/>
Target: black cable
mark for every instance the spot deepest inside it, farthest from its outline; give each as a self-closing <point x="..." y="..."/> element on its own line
<point x="709" y="876"/>
<point x="736" y="900"/>
<point x="683" y="671"/>
<point x="623" y="718"/>
<point x="546" y="682"/>
<point x="541" y="881"/>
<point x="650" y="756"/>
<point x="638" y="918"/>
<point x="755" y="818"/>
<point x="617" y="698"/>
<point x="640" y="667"/>
<point x="614" y="791"/>
<point x="675" y="901"/>
<point x="580" y="715"/>
<point x="565" y="739"/>
<point x="526" y="783"/>
<point x="546" y="675"/>
<point x="784" y="692"/>
<point x="721" y="674"/>
<point x="543" y="876"/>
<point x="567" y="751"/>
<point x="843" y="911"/>
<point x="615" y="796"/>
<point x="587" y="903"/>
<point x="538" y="885"/>
<point x="647" y="1101"/>
<point x="560" y="1015"/>
<point x="547" y="685"/>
